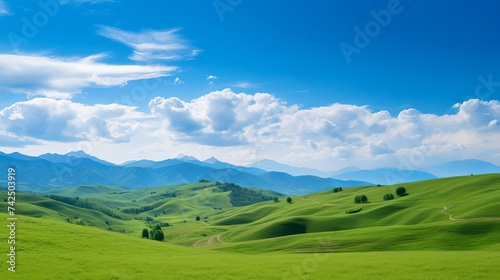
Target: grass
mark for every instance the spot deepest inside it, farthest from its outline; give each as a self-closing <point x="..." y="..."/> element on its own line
<point x="54" y="250"/>
<point x="311" y="238"/>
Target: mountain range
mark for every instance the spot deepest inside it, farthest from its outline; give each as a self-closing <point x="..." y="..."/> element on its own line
<point x="50" y="171"/>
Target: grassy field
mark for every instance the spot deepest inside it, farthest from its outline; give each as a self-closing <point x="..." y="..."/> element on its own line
<point x="410" y="237"/>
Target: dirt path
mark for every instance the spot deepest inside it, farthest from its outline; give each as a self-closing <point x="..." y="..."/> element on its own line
<point x="208" y="242"/>
<point x="323" y="203"/>
<point x="220" y="240"/>
<point x="445" y="208"/>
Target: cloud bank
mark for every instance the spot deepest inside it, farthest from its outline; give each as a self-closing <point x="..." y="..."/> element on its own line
<point x="242" y="127"/>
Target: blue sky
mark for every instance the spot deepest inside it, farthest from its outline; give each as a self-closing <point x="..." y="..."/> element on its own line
<point x="364" y="83"/>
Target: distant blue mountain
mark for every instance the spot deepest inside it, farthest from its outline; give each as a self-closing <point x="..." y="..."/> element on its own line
<point x="71" y="156"/>
<point x="463" y="167"/>
<point x="385" y="176"/>
<point x="270" y="165"/>
<point x="55" y="171"/>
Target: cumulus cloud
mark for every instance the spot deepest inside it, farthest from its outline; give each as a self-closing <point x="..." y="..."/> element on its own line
<point x="46" y="119"/>
<point x="152" y="44"/>
<point x="62" y="78"/>
<point x="239" y="124"/>
<point x="218" y="118"/>
<point x="339" y="131"/>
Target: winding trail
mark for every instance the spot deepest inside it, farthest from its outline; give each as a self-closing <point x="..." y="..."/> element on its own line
<point x="445" y="208"/>
<point x="323" y="203"/>
<point x="208" y="242"/>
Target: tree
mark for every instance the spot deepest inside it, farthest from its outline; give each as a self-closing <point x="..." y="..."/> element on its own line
<point x="145" y="233"/>
<point x="388" y="196"/>
<point x="289" y="199"/>
<point x="360" y="199"/>
<point x="401" y="191"/>
<point x="198" y="218"/>
<point x="338" y="189"/>
<point x="158" y="235"/>
<point x="276" y="199"/>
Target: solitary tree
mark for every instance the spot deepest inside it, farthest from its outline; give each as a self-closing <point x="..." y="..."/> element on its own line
<point x="145" y="233"/>
<point x="401" y="191"/>
<point x="364" y="199"/>
<point x="198" y="218"/>
<point x="276" y="199"/>
<point x="289" y="199"/>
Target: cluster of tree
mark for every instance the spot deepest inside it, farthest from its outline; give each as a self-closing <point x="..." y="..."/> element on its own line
<point x="156" y="233"/>
<point x="276" y="199"/>
<point x="388" y="196"/>
<point x="338" y="189"/>
<point x="82" y="203"/>
<point x="401" y="191"/>
<point x="360" y="199"/>
<point x="138" y="210"/>
<point x="240" y="196"/>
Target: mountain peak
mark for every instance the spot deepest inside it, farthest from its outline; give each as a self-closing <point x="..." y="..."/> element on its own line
<point x="211" y="160"/>
<point x="184" y="157"/>
<point x="80" y="154"/>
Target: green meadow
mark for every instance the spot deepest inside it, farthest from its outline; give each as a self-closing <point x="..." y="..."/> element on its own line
<point x="443" y="229"/>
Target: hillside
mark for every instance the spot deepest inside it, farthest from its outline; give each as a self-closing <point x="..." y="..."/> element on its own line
<point x="267" y="239"/>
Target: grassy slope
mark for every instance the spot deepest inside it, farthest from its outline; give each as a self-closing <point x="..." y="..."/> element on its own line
<point x="259" y="240"/>
<point x="54" y="250"/>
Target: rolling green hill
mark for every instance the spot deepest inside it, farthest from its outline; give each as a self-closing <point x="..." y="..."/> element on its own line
<point x="427" y="230"/>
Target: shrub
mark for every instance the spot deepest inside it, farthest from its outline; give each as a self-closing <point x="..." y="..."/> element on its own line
<point x="145" y="233"/>
<point x="388" y="196"/>
<point x="401" y="191"/>
<point x="198" y="218"/>
<point x="360" y="199"/>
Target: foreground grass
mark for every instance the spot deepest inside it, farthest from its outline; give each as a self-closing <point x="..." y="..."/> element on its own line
<point x="55" y="250"/>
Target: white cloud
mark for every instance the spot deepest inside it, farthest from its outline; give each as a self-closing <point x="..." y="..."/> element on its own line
<point x="245" y="85"/>
<point x="243" y="128"/>
<point x="46" y="119"/>
<point x="178" y="81"/>
<point x="212" y="77"/>
<point x="152" y="44"/>
<point x="62" y="78"/>
<point x="218" y="118"/>
<point x="338" y="131"/>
